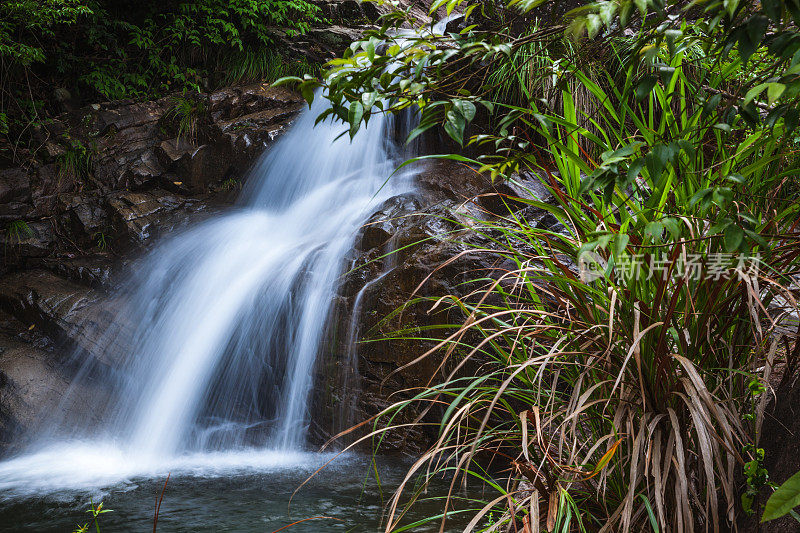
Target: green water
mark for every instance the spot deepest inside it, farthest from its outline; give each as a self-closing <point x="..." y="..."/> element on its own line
<point x="346" y="493"/>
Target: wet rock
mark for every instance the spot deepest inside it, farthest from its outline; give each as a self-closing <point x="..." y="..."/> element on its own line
<point x="93" y="271"/>
<point x="349" y="11"/>
<point x="175" y="153"/>
<point x="387" y="222"/>
<point x="46" y="185"/>
<point x="436" y="253"/>
<point x="208" y="164"/>
<point x="15" y="193"/>
<point x="86" y="216"/>
<point x="318" y="44"/>
<point x="71" y="314"/>
<point x="233" y="102"/>
<point x="28" y="240"/>
<point x="31" y="383"/>
<point x="194" y="167"/>
<point x="34" y="379"/>
<point x="138" y="217"/>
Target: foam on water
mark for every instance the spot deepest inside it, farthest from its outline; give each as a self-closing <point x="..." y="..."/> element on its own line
<point x="81" y="466"/>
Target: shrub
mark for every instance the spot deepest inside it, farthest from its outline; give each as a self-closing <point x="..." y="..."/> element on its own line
<point x="613" y="401"/>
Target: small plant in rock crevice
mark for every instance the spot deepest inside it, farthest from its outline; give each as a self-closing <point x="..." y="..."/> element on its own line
<point x="187" y="111"/>
<point x="18" y="231"/>
<point x="75" y="164"/>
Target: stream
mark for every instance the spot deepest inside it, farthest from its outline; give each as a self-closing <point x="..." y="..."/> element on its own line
<point x="234" y="491"/>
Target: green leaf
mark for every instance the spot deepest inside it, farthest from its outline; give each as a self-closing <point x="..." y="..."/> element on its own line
<point x="655" y="230"/>
<point x="733" y="237"/>
<point x="633" y="170"/>
<point x="774" y="91"/>
<point x="625" y="12"/>
<point x="354" y="117"/>
<point x="286" y="80"/>
<point x="755" y="91"/>
<point x="466" y="108"/>
<point x="650" y="514"/>
<point x="711" y="104"/>
<point x="371" y="50"/>
<point x="773" y="9"/>
<point x="454" y="126"/>
<point x="722" y="196"/>
<point x="593" y="25"/>
<point x="645" y="86"/>
<point x="368" y="99"/>
<point x="620" y="243"/>
<point x="308" y="93"/>
<point x="758" y="239"/>
<point x="699" y="195"/>
<point x="783" y="500"/>
<point x="791" y="119"/>
<point x="746" y="46"/>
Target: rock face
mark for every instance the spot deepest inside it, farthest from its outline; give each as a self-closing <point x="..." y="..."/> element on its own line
<point x="115" y="175"/>
<point x="435" y="254"/>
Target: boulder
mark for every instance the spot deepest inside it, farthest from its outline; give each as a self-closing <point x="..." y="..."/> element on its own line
<point x="31" y="383"/>
<point x="23" y="240"/>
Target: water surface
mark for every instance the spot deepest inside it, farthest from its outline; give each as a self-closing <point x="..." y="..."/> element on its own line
<point x="244" y="491"/>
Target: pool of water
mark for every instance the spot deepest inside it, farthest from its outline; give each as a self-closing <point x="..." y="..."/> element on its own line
<point x="237" y="492"/>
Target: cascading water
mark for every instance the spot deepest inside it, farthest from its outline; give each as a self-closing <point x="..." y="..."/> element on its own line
<point x="228" y="316"/>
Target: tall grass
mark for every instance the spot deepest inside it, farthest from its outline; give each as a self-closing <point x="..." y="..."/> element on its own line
<point x="262" y="64"/>
<point x="622" y="401"/>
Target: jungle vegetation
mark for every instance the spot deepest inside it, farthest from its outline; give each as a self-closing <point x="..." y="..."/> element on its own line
<point x="60" y="52"/>
<point x="631" y="398"/>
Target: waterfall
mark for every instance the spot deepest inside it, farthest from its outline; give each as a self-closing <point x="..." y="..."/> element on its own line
<point x="226" y="356"/>
<point x="224" y="321"/>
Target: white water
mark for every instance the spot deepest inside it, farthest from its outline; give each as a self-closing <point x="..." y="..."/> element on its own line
<point x="226" y="324"/>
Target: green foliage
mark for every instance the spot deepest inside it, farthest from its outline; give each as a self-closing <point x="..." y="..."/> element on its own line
<point x="177" y="49"/>
<point x="24" y="24"/>
<point x="756" y="476"/>
<point x="187" y="112"/>
<point x="102" y="241"/>
<point x="111" y="50"/>
<point x="76" y="162"/>
<point x="621" y="398"/>
<point x="263" y="64"/>
<point x="783" y="500"/>
<point x="230" y="184"/>
<point x="18" y="231"/>
<point x="95" y="511"/>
